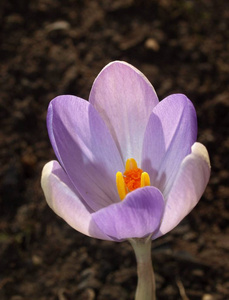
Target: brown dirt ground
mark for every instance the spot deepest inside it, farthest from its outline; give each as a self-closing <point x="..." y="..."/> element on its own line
<point x="51" y="47"/>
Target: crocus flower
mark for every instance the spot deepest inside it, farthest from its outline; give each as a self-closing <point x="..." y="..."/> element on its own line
<point x="128" y="165"/>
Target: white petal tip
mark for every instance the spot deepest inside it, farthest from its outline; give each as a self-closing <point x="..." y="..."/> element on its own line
<point x="200" y="150"/>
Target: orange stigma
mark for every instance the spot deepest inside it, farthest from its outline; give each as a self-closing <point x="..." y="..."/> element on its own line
<point x="132" y="179"/>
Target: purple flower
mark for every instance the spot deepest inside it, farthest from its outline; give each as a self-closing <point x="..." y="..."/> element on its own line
<point x="128" y="165"/>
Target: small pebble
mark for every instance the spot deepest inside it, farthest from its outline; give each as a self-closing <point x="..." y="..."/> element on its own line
<point x="207" y="297"/>
<point x="152" y="44"/>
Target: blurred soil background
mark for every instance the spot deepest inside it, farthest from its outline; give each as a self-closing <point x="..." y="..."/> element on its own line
<point x="51" y="47"/>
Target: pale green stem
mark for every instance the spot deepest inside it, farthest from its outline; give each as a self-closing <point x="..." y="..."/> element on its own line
<point x="146" y="289"/>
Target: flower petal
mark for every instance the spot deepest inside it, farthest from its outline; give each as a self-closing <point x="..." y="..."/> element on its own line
<point x="124" y="98"/>
<point x="62" y="198"/>
<point x="170" y="133"/>
<point x="85" y="149"/>
<point x="188" y="187"/>
<point x="137" y="216"/>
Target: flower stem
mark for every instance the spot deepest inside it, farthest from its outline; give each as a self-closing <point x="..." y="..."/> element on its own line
<point x="146" y="289"/>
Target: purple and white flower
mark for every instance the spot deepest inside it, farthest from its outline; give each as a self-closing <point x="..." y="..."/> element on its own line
<point x="124" y="128"/>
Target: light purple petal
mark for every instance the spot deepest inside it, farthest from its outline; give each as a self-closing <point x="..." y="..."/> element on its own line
<point x="62" y="198"/>
<point x="124" y="98"/>
<point x="188" y="187"/>
<point x="170" y="133"/>
<point x="85" y="149"/>
<point x="137" y="216"/>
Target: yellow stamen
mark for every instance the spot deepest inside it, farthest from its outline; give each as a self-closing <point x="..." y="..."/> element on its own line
<point x="145" y="180"/>
<point x="121" y="187"/>
<point x="131" y="179"/>
<point x="131" y="164"/>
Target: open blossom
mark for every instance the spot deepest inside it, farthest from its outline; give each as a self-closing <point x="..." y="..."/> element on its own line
<point x="128" y="165"/>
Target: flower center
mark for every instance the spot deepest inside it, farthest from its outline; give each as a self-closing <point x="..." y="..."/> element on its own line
<point x="131" y="179"/>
